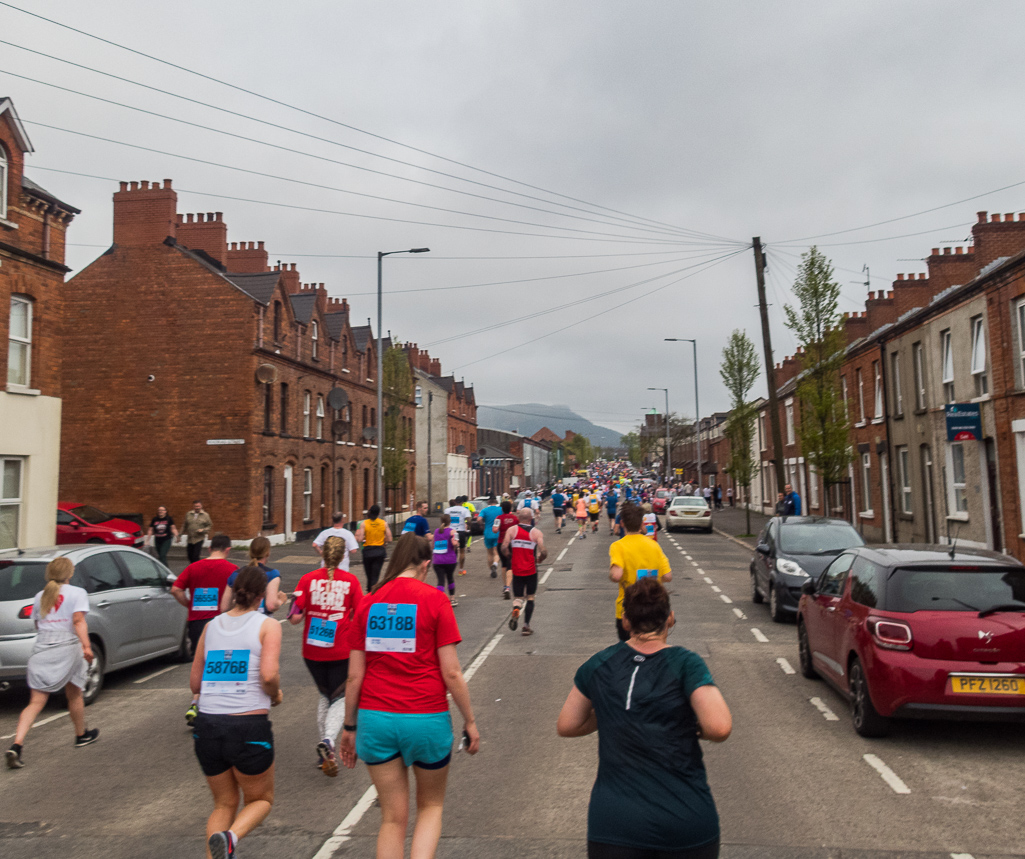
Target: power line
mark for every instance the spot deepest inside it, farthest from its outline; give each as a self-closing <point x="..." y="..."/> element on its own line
<point x="598" y="415"/>
<point x="887" y="238"/>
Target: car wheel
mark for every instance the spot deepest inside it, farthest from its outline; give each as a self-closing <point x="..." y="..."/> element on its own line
<point x="756" y="595"/>
<point x="776" y="604"/>
<point x="94" y="675"/>
<point x="867" y="721"/>
<point x="804" y="653"/>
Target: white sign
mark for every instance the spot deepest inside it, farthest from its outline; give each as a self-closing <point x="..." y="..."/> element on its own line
<point x="225" y="441"/>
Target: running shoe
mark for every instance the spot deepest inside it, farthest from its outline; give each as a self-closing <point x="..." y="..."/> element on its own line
<point x="514" y="621"/>
<point x="494" y="571"/>
<point x="462" y="572"/>
<point x="327" y="752"/>
<point x="220" y="845"/>
<point x="13" y="755"/>
<point x="88" y="738"/>
<point x="454" y="602"/>
<point x="505" y="594"/>
<point x="191" y="713"/>
<point x="527" y="630"/>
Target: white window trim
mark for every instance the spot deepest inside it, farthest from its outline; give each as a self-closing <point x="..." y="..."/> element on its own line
<point x="5" y="174"/>
<point x="907" y="505"/>
<point x="947" y="366"/>
<point x="952" y="507"/>
<point x="918" y="360"/>
<point x="788" y="407"/>
<point x="16" y="501"/>
<point x="843" y="393"/>
<point x="898" y="395"/>
<point x="320" y="416"/>
<point x="1018" y="428"/>
<point x="878" y="372"/>
<point x="866" y="485"/>
<point x="1021" y="342"/>
<point x="861" y="396"/>
<point x="307" y="494"/>
<point x="21" y="341"/>
<point x="306" y="413"/>
<point x="314" y="338"/>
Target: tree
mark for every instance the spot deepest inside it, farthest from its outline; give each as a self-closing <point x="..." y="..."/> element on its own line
<point x="580" y="447"/>
<point x="632" y="442"/>
<point x="397" y="387"/>
<point x="818" y="326"/>
<point x="651" y="442"/>
<point x="739" y="371"/>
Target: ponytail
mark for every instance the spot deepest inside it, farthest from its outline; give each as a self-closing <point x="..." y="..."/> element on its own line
<point x="334" y="553"/>
<point x="58" y="572"/>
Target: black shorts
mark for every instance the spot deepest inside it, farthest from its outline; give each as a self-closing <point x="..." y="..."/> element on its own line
<point x="524" y="585"/>
<point x="593" y="517"/>
<point x="243" y="742"/>
<point x="195" y="630"/>
<point x="329" y="676"/>
<point x="558" y="511"/>
<point x="596" y="850"/>
<point x="612" y="514"/>
<point x="464" y="536"/>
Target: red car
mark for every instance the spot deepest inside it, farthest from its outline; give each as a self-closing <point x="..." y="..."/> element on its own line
<point x="917" y="632"/>
<point x="661" y="499"/>
<point x="80" y="523"/>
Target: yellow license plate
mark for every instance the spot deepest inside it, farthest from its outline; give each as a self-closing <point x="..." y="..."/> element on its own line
<point x="988" y="685"/>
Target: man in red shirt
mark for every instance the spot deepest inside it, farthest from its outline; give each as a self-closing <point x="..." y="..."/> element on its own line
<point x="503" y="523"/>
<point x="206" y="581"/>
<point x="525" y="546"/>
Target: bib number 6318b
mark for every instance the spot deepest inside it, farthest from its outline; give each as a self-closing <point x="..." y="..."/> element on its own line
<point x="391" y="628"/>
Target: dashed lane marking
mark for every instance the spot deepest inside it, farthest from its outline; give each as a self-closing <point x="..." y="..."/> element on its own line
<point x="693" y="563"/>
<point x="739" y="613"/>
<point x="155" y="674"/>
<point x="786" y="666"/>
<point x="725" y="598"/>
<point x="40" y="723"/>
<point x="562" y="554"/>
<point x="759" y="635"/>
<point x="961" y="856"/>
<point x="889" y="776"/>
<point x="827" y="714"/>
<point x="700" y="571"/>
<point x="548" y="572"/>
<point x="718" y="590"/>
<point x="708" y="581"/>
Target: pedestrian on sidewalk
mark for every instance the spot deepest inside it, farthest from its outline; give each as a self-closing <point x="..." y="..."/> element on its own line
<point x="198" y="526"/>
<point x="161" y="531"/>
<point x="60" y="655"/>
<point x="729" y="495"/>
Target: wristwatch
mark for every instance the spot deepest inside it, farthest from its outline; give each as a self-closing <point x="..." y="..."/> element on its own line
<point x="349" y="728"/>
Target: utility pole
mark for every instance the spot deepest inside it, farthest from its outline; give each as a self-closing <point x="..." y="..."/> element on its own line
<point x="770" y="375"/>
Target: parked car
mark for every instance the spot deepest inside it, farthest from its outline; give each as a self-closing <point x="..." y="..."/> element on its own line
<point x="920" y="632"/>
<point x="661" y="499"/>
<point x="132" y="616"/>
<point x="688" y="511"/>
<point x="791" y="550"/>
<point x="82" y="523"/>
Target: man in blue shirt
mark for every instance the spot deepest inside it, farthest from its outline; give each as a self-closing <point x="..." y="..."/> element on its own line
<point x="418" y="524"/>
<point x="791" y="502"/>
<point x="558" y="509"/>
<point x="488" y="516"/>
<point x="611" y="501"/>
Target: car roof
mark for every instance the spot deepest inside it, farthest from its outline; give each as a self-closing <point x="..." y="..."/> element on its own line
<point x="809" y="520"/>
<point x="72" y="550"/>
<point x="904" y="554"/>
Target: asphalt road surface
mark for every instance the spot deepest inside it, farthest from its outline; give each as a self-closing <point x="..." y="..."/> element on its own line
<point x="793" y="781"/>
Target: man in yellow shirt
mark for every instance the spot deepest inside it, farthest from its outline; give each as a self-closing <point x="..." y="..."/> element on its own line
<point x="633" y="557"/>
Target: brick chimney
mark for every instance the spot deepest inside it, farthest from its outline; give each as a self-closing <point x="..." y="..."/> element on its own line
<point x="880" y="308"/>
<point x="289" y="278"/>
<point x="206" y="233"/>
<point x="246" y="258"/>
<point x="855" y="326"/>
<point x="910" y="292"/>
<point x="997" y="236"/>
<point x="956" y="265"/>
<point x="144" y="214"/>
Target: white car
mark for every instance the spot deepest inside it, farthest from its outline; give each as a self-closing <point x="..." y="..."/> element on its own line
<point x="688" y="511"/>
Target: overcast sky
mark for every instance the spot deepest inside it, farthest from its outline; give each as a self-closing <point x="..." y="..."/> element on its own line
<point x="675" y="130"/>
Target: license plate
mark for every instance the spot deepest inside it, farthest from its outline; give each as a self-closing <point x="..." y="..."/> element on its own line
<point x="988" y="685"/>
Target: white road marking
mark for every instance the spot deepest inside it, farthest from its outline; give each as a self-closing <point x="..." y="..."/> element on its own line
<point x="786" y="666"/>
<point x="889" y="776"/>
<point x="961" y="856"/>
<point x="708" y="580"/>
<point x="739" y="613"/>
<point x="700" y="571"/>
<point x="155" y="674"/>
<point x="562" y="554"/>
<point x="548" y="572"/>
<point x="820" y="705"/>
<point x="40" y="723"/>
<point x="759" y="635"/>
<point x="725" y="598"/>
<point x="693" y="563"/>
<point x="715" y="588"/>
<point x="484" y="654"/>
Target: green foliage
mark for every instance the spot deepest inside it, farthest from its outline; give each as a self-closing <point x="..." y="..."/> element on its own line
<point x="739" y="371"/>
<point x="632" y="442"/>
<point x="397" y="386"/>
<point x="580" y="446"/>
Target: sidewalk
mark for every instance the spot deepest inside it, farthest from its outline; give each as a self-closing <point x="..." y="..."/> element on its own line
<point x="732" y="521"/>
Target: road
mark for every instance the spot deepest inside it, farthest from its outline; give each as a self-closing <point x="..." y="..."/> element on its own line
<point x="792" y="781"/>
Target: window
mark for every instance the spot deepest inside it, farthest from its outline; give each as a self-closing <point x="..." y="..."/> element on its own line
<point x="365" y="424"/>
<point x="284" y="407"/>
<point x="345" y="352"/>
<point x="979" y="357"/>
<point x="418" y="395"/>
<point x="904" y="476"/>
<point x="947" y="353"/>
<point x="307" y="397"/>
<point x="958" y="499"/>
<point x="19" y="346"/>
<point x="921" y="401"/>
<point x="866" y="582"/>
<point x="320" y="416"/>
<point x="789" y="406"/>
<point x="268" y="397"/>
<point x="878" y="374"/>
<point x="866" y="483"/>
<point x="373" y="419"/>
<point x="143" y="572"/>
<point x="3" y="183"/>
<point x="813" y="487"/>
<point x="1021" y="340"/>
<point x="898" y="397"/>
<point x="10" y="502"/>
<point x="277" y="321"/>
<point x="861" y="395"/>
<point x="314" y="338"/>
<point x="268" y="495"/>
<point x="843" y="394"/>
<point x="761" y="431"/>
<point x="307" y="494"/>
<point x="101" y="573"/>
<point x="835" y="576"/>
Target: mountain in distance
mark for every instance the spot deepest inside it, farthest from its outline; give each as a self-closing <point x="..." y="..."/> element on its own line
<point x="528" y="418"/>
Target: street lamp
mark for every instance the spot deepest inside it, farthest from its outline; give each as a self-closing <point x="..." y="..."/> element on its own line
<point x="379" y="484"/>
<point x="667" y="431"/>
<point x="697" y="408"/>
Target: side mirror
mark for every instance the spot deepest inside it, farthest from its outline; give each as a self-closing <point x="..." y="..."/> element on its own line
<point x="762" y="548"/>
<point x="808" y="587"/>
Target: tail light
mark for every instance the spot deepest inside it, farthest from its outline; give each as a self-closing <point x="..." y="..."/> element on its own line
<point x="25" y="613"/>
<point x="672" y="512"/>
<point x="707" y="513"/>
<point x="890" y="634"/>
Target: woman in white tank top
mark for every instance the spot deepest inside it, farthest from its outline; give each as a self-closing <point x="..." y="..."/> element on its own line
<point x="236" y="674"/>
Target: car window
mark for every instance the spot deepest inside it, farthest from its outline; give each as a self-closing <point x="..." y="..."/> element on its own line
<point x="92" y="515"/>
<point x="21" y="581"/>
<point x="143" y="572"/>
<point x="64" y="518"/>
<point x="813" y="538"/>
<point x="866" y="582"/>
<point x="770" y="535"/>
<point x="832" y="580"/>
<point x="957" y="589"/>
<point x="101" y="573"/>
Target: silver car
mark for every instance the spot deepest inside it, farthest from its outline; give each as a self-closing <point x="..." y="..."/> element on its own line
<point x="132" y="615"/>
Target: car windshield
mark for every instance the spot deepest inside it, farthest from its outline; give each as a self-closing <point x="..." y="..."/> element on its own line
<point x="688" y="502"/>
<point x="92" y="515"/>
<point x="662" y="493"/>
<point x="955" y="589"/>
<point x="21" y="580"/>
<point x="817" y="538"/>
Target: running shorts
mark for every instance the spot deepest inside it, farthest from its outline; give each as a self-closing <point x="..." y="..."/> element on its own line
<point x="612" y="514"/>
<point x="464" y="536"/>
<point x="329" y="676"/>
<point x="524" y="585"/>
<point x="506" y="561"/>
<point x="558" y="511"/>
<point x="491" y="540"/>
<point x="195" y="630"/>
<point x="593" y="517"/>
<point x="581" y="518"/>
<point x="421" y="739"/>
<point x="243" y="742"/>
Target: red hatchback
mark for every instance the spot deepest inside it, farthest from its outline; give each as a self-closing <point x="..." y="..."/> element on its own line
<point x="916" y="632"/>
<point x="661" y="499"/>
<point x="81" y="523"/>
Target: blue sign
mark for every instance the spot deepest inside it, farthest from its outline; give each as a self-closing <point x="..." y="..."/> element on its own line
<point x="391" y="628"/>
<point x="964" y="422"/>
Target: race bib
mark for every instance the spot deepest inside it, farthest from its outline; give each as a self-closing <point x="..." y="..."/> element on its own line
<point x="649" y="529"/>
<point x="530" y="545"/>
<point x="321" y="632"/>
<point x="225" y="671"/>
<point x="204" y="599"/>
<point x="408" y="527"/>
<point x="391" y="628"/>
<point x="441" y="547"/>
<point x="643" y="574"/>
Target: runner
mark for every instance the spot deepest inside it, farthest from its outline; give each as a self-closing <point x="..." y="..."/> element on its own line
<point x="611" y="502"/>
<point x="259" y="554"/>
<point x="503" y="523"/>
<point x="418" y="523"/>
<point x="529" y="502"/>
<point x="446" y="544"/>
<point x="651" y="526"/>
<point x="236" y="668"/>
<point x="337" y="530"/>
<point x="581" y="506"/>
<point x="593" y="509"/>
<point x="325" y="603"/>
<point x="488" y="516"/>
<point x="403" y="661"/>
<point x="558" y="509"/>
<point x="465" y="501"/>
<point x="525" y="545"/>
<point x="459" y="518"/>
<point x="634" y="557"/>
<point x="206" y="581"/>
<point x="60" y="656"/>
<point x="373" y="533"/>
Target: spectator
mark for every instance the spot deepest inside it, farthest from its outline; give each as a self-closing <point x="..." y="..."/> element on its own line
<point x="791" y="502"/>
<point x="198" y="526"/>
<point x="161" y="531"/>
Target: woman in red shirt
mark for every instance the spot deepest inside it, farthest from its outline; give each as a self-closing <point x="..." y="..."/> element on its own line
<point x="325" y="602"/>
<point x="403" y="661"/>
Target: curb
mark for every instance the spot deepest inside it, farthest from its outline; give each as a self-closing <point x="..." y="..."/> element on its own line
<point x="736" y="540"/>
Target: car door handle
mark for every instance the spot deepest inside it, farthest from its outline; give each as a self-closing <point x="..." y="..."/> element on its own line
<point x="145" y="598"/>
<point x="103" y="604"/>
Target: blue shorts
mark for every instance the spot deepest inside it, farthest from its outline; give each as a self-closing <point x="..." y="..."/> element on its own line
<point x="421" y="739"/>
<point x="491" y="542"/>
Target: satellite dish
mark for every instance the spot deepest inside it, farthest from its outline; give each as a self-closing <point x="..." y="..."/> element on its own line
<point x="266" y="374"/>
<point x="369" y="432"/>
<point x="483" y="451"/>
<point x="337" y="398"/>
<point x="340" y="427"/>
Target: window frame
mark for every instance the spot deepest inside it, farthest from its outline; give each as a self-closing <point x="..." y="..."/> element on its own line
<point x="314" y="340"/>
<point x="13" y="501"/>
<point x="979" y="373"/>
<point x="17" y="341"/>
<point x="861" y="395"/>
<point x="898" y="394"/>
<point x="918" y="365"/>
<point x="956" y="490"/>
<point x="843" y="394"/>
<point x="877" y="371"/>
<point x="788" y="408"/>
<point x="268" y="495"/>
<point x="947" y="365"/>
<point x="307" y="495"/>
<point x="5" y="175"/>
<point x="904" y="480"/>
<point x="866" y="483"/>
<point x="284" y="408"/>
<point x="307" y="404"/>
<point x="320" y="416"/>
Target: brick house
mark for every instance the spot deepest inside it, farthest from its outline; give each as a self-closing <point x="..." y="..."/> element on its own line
<point x="32" y="232"/>
<point x="204" y="373"/>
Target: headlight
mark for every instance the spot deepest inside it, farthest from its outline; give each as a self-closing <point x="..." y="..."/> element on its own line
<point x="790" y="568"/>
<point x="122" y="535"/>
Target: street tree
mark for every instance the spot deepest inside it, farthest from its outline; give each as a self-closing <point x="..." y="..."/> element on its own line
<point x="632" y="442"/>
<point x="397" y="387"/>
<point x="739" y="371"/>
<point x="818" y="326"/>
<point x="581" y="448"/>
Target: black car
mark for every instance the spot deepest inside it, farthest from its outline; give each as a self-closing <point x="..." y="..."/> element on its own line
<point x="790" y="551"/>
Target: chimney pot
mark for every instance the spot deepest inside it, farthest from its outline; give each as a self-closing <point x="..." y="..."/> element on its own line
<point x="1009" y="216"/>
<point x="981" y="216"/>
<point x="219" y="215"/>
<point x="144" y="185"/>
<point x="946" y="251"/>
<point x="995" y="219"/>
<point x="210" y="216"/>
<point x="167" y="184"/>
<point x="124" y="186"/>
<point x="134" y="186"/>
<point x="189" y="217"/>
<point x="900" y="277"/>
<point x="259" y="246"/>
<point x="958" y="250"/>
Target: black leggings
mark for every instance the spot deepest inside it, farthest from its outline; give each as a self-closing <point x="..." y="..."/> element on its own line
<point x="373" y="560"/>
<point x="329" y="677"/>
<point x="446" y="575"/>
<point x="596" y="850"/>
